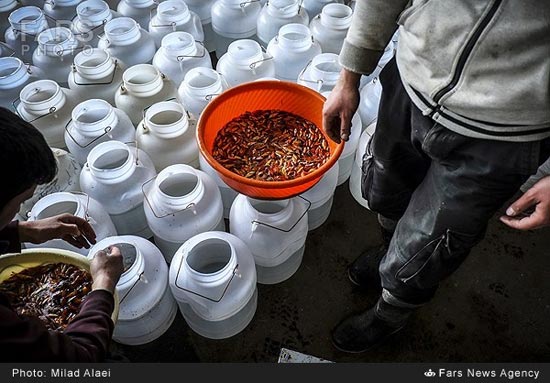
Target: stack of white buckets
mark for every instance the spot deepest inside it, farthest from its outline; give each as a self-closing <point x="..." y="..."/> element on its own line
<point x="117" y="94"/>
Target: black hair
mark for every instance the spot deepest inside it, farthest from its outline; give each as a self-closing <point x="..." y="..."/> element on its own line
<point x="25" y="157"/>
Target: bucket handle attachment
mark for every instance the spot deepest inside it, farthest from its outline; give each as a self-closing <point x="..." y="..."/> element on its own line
<point x="256" y="222"/>
<point x="8" y="48"/>
<point x="180" y="58"/>
<point x="15" y="103"/>
<point x="243" y="4"/>
<point x="254" y="64"/>
<point x="290" y="5"/>
<point x="189" y="206"/>
<point x="73" y="73"/>
<point x="106" y="130"/>
<point x="35" y="21"/>
<point x="87" y="33"/>
<point x="235" y="271"/>
<point x="301" y="77"/>
<point x="87" y="208"/>
<point x="162" y="76"/>
<point x="152" y="13"/>
<point x="173" y="24"/>
<point x="128" y="143"/>
<point x="139" y="278"/>
<point x="225" y="85"/>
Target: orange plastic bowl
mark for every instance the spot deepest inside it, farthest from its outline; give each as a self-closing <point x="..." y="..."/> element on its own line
<point x="259" y="95"/>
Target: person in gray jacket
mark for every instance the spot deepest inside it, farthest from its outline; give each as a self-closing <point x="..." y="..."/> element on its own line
<point x="464" y="121"/>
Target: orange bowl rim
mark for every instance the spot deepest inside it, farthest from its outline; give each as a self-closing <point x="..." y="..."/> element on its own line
<point x="317" y="173"/>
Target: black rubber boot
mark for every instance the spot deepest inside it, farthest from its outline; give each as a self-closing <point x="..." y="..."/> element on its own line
<point x="361" y="332"/>
<point x="363" y="271"/>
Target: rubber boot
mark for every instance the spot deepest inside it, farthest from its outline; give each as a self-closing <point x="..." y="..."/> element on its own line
<point x="363" y="271"/>
<point x="361" y="332"/>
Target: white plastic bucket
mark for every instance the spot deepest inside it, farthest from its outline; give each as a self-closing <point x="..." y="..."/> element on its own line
<point x="167" y="136"/>
<point x="113" y="175"/>
<point x="213" y="279"/>
<point x="275" y="231"/>
<point x="180" y="203"/>
<point x="80" y="205"/>
<point x="147" y="308"/>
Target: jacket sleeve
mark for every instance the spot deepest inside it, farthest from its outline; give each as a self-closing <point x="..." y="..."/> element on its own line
<point x="86" y="339"/>
<point x="9" y="236"/>
<point x="372" y="26"/>
<point x="543" y="171"/>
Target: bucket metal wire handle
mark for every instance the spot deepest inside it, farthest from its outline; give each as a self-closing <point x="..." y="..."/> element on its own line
<point x="254" y="64"/>
<point x="5" y="46"/>
<point x="74" y="71"/>
<point x="55" y="21"/>
<point x="139" y="278"/>
<point x="15" y="103"/>
<point x="106" y="130"/>
<point x="87" y="33"/>
<point x="103" y="37"/>
<point x="217" y="300"/>
<point x="288" y="6"/>
<point x="136" y="143"/>
<point x="244" y="3"/>
<point x="87" y="207"/>
<point x="128" y="143"/>
<point x="153" y="12"/>
<point x="145" y="127"/>
<point x="225" y="86"/>
<point x="180" y="58"/>
<point x="295" y="223"/>
<point x="302" y="78"/>
<point x="189" y="206"/>
<point x="61" y="51"/>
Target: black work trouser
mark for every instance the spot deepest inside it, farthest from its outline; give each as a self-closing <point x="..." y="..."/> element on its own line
<point x="441" y="187"/>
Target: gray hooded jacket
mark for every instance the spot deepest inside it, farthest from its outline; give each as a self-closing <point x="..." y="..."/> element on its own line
<point x="478" y="67"/>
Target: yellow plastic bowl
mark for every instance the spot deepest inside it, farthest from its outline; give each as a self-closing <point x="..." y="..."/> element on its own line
<point x="14" y="263"/>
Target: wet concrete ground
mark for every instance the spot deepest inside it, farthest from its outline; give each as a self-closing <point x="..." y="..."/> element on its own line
<point x="495" y="308"/>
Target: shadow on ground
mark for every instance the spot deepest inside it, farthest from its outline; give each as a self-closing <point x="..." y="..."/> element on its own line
<point x="495" y="308"/>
